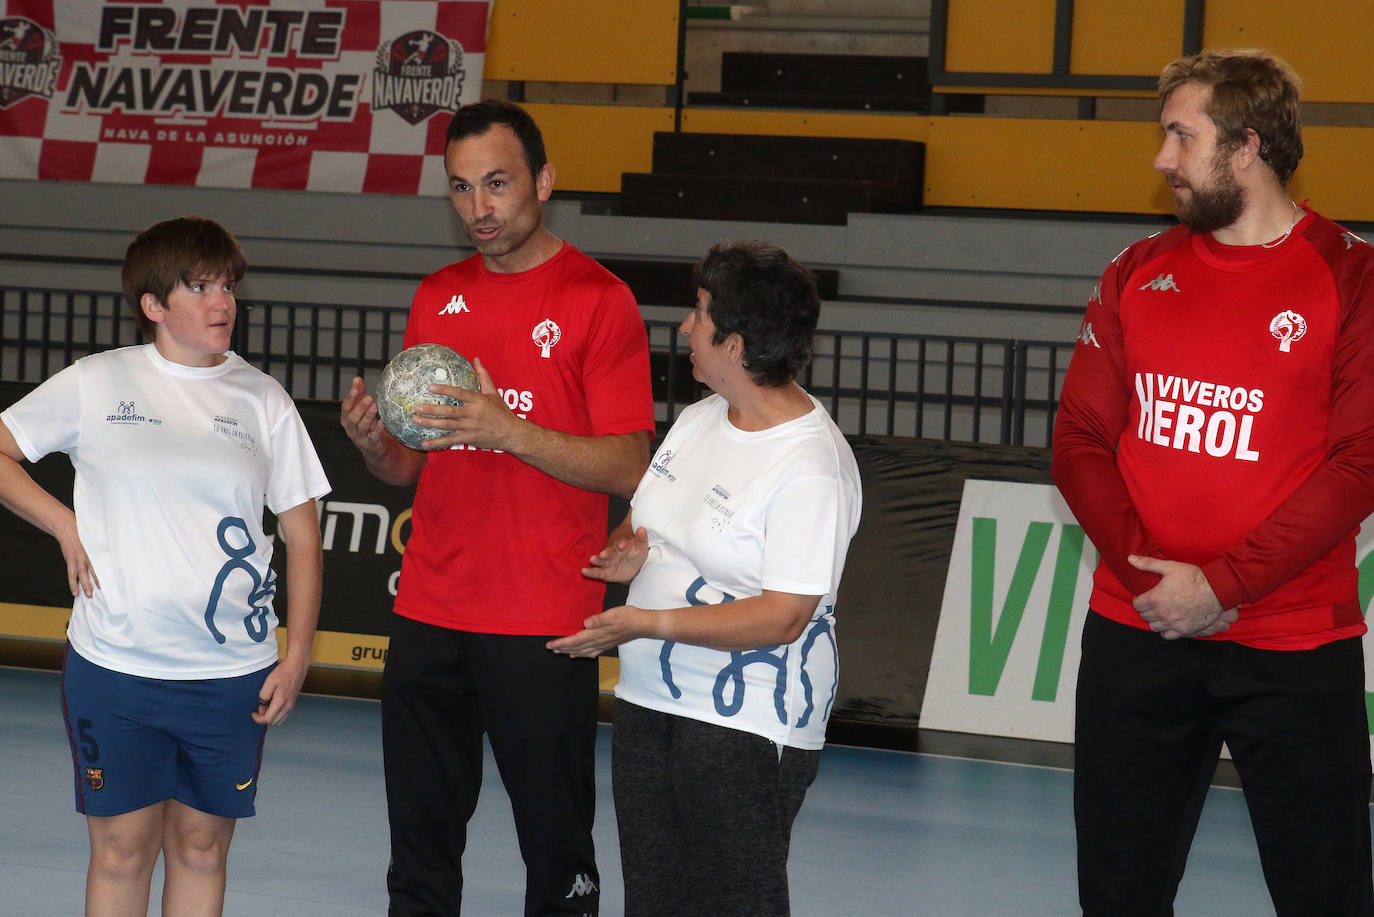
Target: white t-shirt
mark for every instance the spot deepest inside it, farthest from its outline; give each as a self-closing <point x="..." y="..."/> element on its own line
<point x="729" y="514"/>
<point x="173" y="467"/>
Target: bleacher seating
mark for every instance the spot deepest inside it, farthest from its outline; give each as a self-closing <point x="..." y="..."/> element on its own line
<point x="847" y="82"/>
<point x="775" y="178"/>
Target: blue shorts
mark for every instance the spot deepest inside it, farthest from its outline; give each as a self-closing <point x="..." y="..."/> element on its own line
<point x="140" y="741"/>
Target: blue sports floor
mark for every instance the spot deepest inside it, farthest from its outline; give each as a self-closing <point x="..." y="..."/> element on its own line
<point x="882" y="833"/>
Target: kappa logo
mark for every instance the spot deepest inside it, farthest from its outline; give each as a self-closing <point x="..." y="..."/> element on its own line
<point x="1097" y="294"/>
<point x="1163" y="283"/>
<point x="1086" y="335"/>
<point x="545" y="335"/>
<point x="1289" y="327"/>
<point x="1350" y="240"/>
<point x="582" y="885"/>
<point x="455" y="305"/>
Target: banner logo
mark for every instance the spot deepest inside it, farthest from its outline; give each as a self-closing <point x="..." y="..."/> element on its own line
<point x="29" y="61"/>
<point x="417" y="75"/>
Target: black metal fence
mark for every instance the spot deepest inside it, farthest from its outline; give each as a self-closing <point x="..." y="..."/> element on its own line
<point x="966" y="389"/>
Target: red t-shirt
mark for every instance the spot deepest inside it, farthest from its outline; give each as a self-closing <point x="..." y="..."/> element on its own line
<point x="497" y="546"/>
<point x="1219" y="410"/>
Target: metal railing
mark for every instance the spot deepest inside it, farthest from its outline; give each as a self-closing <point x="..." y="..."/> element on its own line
<point x="967" y="389"/>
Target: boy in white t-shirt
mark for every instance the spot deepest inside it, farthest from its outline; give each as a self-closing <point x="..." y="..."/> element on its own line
<point x="171" y="676"/>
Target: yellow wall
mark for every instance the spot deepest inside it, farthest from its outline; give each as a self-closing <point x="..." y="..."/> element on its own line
<point x="1031" y="164"/>
<point x="583" y="41"/>
<point x="1326" y="41"/>
<point x="591" y="145"/>
<point x="1000" y="36"/>
<point x="1125" y="39"/>
<point x="1040" y="164"/>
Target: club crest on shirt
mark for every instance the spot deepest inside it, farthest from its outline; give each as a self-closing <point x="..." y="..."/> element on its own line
<point x="1289" y="327"/>
<point x="95" y="777"/>
<point x="545" y="335"/>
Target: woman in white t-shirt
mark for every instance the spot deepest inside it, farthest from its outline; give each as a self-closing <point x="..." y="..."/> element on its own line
<point x="733" y="547"/>
<point x="171" y="675"/>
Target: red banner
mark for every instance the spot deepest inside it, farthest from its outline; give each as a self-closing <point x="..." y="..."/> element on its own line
<point x="317" y="95"/>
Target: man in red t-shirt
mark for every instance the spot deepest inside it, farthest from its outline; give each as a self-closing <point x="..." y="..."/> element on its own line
<point x="1216" y="442"/>
<point x="509" y="504"/>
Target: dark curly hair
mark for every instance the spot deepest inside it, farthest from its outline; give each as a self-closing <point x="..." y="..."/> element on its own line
<point x="761" y="293"/>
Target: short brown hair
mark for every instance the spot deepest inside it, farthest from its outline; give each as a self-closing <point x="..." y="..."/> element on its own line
<point x="176" y="251"/>
<point x="1251" y="90"/>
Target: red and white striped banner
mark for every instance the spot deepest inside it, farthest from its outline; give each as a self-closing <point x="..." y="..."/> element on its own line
<point x="317" y="95"/>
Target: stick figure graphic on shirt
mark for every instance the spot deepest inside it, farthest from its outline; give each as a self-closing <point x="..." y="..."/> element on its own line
<point x="259" y="596"/>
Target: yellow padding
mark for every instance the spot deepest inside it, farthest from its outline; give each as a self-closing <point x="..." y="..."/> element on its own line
<point x="1335" y="172"/>
<point x="1031" y="164"/>
<point x="1320" y="38"/>
<point x="1044" y="164"/>
<point x="1326" y="41"/>
<point x="583" y="41"/>
<point x="1037" y="91"/>
<point x="366" y="652"/>
<point x="36" y="622"/>
<point x="591" y="145"/>
<point x="1000" y="36"/>
<point x="1112" y="38"/>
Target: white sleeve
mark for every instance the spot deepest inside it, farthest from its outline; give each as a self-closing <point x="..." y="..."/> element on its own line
<point x="801" y="536"/>
<point x="48" y="419"/>
<point x="297" y="475"/>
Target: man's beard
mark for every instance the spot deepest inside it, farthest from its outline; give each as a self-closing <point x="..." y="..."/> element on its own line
<point x="1217" y="206"/>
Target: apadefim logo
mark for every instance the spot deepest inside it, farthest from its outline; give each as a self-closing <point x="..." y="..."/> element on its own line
<point x="29" y="61"/>
<point x="418" y="74"/>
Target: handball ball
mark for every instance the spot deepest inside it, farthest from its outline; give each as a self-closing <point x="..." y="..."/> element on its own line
<point x="405" y="385"/>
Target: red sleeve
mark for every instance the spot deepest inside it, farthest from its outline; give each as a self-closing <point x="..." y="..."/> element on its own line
<point x="616" y="369"/>
<point x="1094" y="407"/>
<point x="1339" y="495"/>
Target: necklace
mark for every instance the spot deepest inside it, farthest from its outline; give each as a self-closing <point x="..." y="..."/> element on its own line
<point x="1297" y="218"/>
